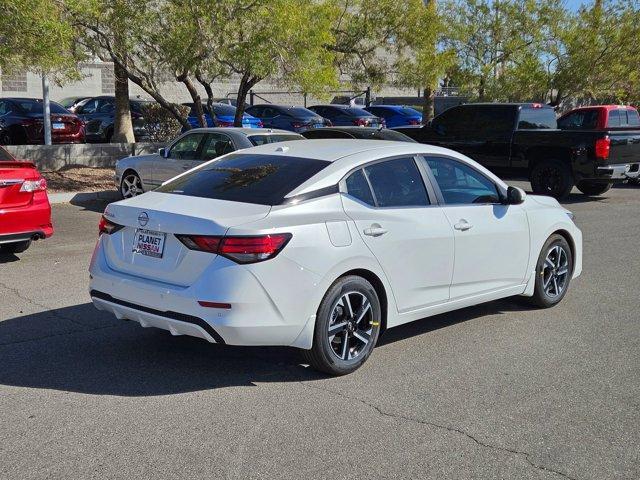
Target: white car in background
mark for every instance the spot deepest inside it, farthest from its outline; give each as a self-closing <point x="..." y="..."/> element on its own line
<point x="324" y="244"/>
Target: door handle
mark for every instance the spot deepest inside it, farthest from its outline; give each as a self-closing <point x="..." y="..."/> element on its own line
<point x="374" y="231"/>
<point x="462" y="225"/>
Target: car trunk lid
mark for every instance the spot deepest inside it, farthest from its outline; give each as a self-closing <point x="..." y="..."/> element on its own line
<point x="147" y="246"/>
<point x="13" y="173"/>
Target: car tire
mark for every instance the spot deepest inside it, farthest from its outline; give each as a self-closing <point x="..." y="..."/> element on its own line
<point x="17" y="247"/>
<point x="130" y="185"/>
<point x="593" y="188"/>
<point x="552" y="178"/>
<point x="347" y="327"/>
<point x="553" y="272"/>
<point x="5" y="138"/>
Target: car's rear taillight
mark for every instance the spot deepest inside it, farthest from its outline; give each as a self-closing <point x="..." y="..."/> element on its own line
<point x="414" y="122"/>
<point x="245" y="249"/>
<point x="603" y="147"/>
<point x="296" y="124"/>
<point x="38" y="185"/>
<point x="260" y="124"/>
<point x="221" y="123"/>
<point x="360" y="122"/>
<point x="107" y="226"/>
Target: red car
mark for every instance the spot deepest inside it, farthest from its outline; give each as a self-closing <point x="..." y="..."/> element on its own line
<point x="21" y="122"/>
<point x="25" y="212"/>
<point x="600" y="117"/>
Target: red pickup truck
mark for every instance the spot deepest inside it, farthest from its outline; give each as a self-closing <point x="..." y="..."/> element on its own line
<point x="25" y="213"/>
<point x="622" y="121"/>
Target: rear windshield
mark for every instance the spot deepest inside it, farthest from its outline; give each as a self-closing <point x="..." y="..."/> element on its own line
<point x="4" y="155"/>
<point x="35" y="106"/>
<point x="537" y="118"/>
<point x="300" y="112"/>
<point x="357" y="112"/>
<point x="248" y="178"/>
<point x="273" y="138"/>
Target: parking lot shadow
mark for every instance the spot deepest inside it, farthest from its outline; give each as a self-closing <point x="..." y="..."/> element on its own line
<point x="8" y="258"/>
<point x="83" y="350"/>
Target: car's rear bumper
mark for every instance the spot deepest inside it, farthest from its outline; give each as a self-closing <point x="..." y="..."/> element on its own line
<point x="30" y="221"/>
<point x="615" y="173"/>
<point x="254" y="316"/>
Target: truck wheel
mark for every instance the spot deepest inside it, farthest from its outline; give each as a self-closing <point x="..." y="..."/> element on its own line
<point x="593" y="188"/>
<point x="552" y="178"/>
<point x="17" y="247"/>
<point x="347" y="327"/>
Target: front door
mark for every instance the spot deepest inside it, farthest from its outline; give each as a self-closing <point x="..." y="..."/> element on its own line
<point x="183" y="155"/>
<point x="411" y="238"/>
<point x="491" y="238"/>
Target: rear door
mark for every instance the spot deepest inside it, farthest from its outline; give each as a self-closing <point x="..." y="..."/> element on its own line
<point x="491" y="239"/>
<point x="487" y="135"/>
<point x="409" y="236"/>
<point x="183" y="155"/>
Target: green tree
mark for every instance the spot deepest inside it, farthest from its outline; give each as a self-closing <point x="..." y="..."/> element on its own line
<point x="34" y="35"/>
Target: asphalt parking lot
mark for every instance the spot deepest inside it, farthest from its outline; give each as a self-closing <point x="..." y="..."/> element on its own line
<point x="493" y="391"/>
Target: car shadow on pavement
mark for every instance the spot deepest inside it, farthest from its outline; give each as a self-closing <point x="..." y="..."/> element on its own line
<point x="80" y="349"/>
<point x="93" y="205"/>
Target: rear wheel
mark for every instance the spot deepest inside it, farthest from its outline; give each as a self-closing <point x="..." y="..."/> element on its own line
<point x="17" y="247"/>
<point x="130" y="185"/>
<point x="347" y="327"/>
<point x="553" y="272"/>
<point x="552" y="178"/>
<point x="593" y="188"/>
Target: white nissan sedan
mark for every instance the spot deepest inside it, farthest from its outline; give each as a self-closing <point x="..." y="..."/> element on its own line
<point x="324" y="244"/>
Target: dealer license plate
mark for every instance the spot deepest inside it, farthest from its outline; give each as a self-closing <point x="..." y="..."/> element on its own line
<point x="149" y="243"/>
<point x="57" y="126"/>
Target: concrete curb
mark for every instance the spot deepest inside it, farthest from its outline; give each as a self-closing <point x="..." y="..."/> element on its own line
<point x="83" y="197"/>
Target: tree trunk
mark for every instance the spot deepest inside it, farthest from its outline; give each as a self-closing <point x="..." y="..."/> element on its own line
<point x="195" y="96"/>
<point x="247" y="82"/>
<point x="428" y="109"/>
<point x="123" y="127"/>
<point x="207" y="88"/>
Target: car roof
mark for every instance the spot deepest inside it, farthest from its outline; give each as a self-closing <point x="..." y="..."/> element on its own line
<point x="241" y="130"/>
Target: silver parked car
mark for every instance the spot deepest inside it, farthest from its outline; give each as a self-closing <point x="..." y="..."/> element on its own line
<point x="139" y="174"/>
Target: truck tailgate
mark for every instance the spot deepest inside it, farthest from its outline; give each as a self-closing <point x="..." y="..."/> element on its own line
<point x="625" y="146"/>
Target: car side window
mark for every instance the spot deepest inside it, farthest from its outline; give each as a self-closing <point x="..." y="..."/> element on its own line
<point x="633" y="118"/>
<point x="215" y="145"/>
<point x="397" y="183"/>
<point x="88" y="107"/>
<point x="187" y="148"/>
<point x="461" y="184"/>
<point x="614" y="118"/>
<point x="269" y="112"/>
<point x="358" y="187"/>
<point x="5" y="107"/>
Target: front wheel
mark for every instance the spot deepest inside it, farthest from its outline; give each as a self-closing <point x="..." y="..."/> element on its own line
<point x="593" y="188"/>
<point x="17" y="247"/>
<point x="130" y="185"/>
<point x="347" y="327"/>
<point x="552" y="178"/>
<point x="553" y="272"/>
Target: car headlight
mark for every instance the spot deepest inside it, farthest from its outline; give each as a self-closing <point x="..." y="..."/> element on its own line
<point x="570" y="215"/>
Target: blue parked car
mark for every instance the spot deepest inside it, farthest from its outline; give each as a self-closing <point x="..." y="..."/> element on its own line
<point x="295" y="119"/>
<point x="396" y="115"/>
<point x="223" y="116"/>
<point x="346" y="115"/>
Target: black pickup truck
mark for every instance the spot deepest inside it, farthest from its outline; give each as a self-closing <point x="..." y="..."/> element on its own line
<point x="515" y="139"/>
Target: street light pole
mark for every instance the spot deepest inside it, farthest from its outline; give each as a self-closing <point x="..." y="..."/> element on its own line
<point x="46" y="110"/>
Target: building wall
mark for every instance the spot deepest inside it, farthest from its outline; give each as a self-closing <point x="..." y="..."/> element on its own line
<point x="98" y="80"/>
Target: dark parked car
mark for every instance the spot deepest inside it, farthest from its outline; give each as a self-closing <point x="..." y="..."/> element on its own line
<point x="396" y="115"/>
<point x="345" y="115"/>
<point x="70" y="103"/>
<point x="21" y="122"/>
<point x="295" y="119"/>
<point x="523" y="138"/>
<point x="98" y="114"/>
<point x="365" y="133"/>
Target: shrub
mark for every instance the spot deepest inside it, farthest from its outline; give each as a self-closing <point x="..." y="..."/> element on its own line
<point x="160" y="123"/>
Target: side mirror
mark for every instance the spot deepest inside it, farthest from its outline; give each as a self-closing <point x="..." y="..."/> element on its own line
<point x="515" y="196"/>
<point x="162" y="152"/>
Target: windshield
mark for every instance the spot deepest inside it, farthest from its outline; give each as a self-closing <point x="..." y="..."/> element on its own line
<point x="35" y="106"/>
<point x="273" y="138"/>
<point x="247" y="178"/>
